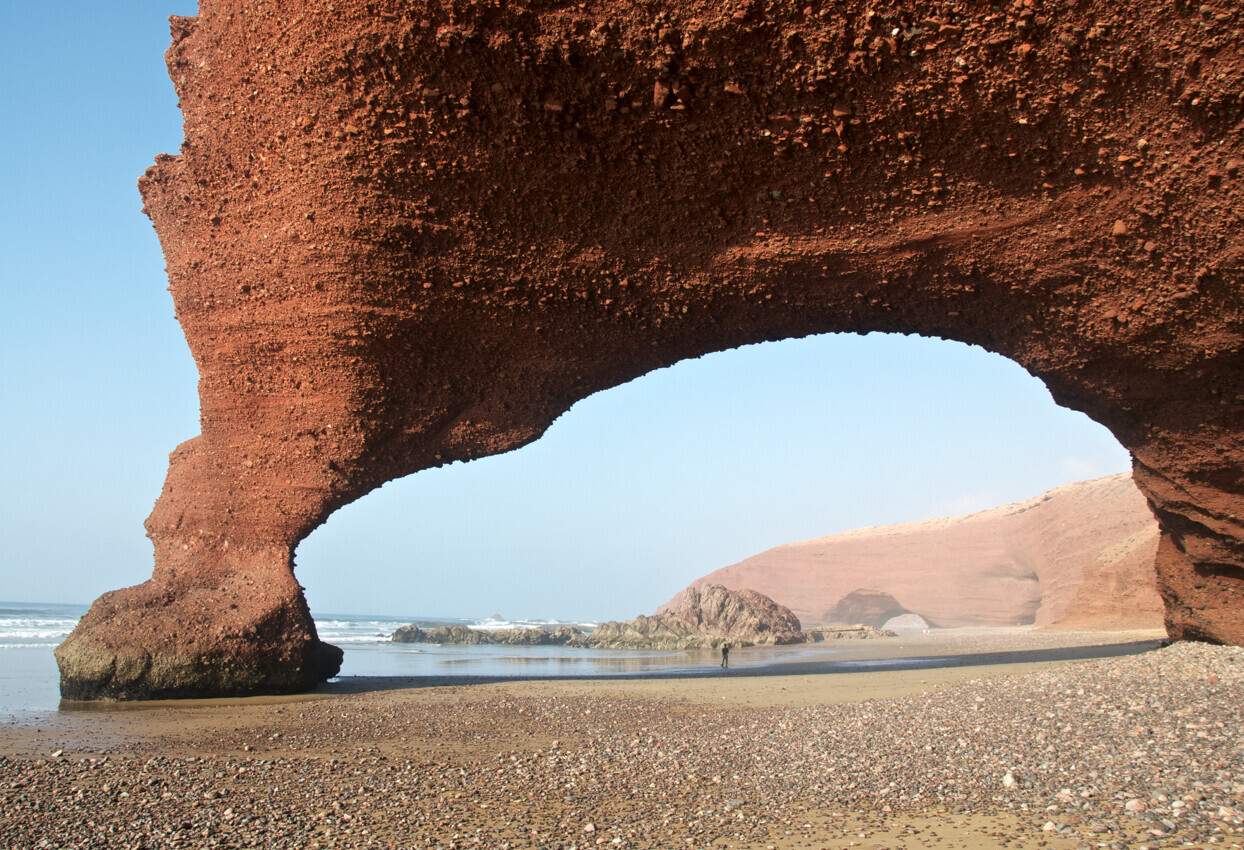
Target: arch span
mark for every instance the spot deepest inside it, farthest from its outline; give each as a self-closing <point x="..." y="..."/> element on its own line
<point x="406" y="232"/>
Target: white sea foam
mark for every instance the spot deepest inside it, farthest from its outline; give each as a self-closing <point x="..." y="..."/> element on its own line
<point x="34" y="628"/>
<point x="343" y="630"/>
<point x="489" y="624"/>
<point x="329" y="637"/>
<point x="33" y="634"/>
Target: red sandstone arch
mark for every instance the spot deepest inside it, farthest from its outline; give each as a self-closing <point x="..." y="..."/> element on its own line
<point x="405" y="232"/>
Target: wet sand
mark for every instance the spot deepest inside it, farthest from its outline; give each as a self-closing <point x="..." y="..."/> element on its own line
<point x="825" y="673"/>
<point x="1009" y="743"/>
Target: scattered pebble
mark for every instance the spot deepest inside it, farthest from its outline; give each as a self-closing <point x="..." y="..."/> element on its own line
<point x="1110" y="753"/>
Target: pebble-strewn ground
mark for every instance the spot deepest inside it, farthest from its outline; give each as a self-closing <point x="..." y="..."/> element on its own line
<point x="1140" y="751"/>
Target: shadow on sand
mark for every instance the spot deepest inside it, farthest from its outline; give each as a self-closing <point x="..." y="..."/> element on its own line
<point x="374" y="684"/>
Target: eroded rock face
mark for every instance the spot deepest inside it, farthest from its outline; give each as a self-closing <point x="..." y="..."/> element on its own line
<point x="405" y="233"/>
<point x="239" y="633"/>
<point x="1078" y="556"/>
<point x="702" y="617"/>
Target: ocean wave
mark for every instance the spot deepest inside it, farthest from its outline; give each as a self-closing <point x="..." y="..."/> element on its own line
<point x="27" y="622"/>
<point x="355" y="625"/>
<point x="331" y="638"/>
<point x="35" y="628"/>
<point x="355" y="631"/>
<point x="21" y="630"/>
<point x="489" y="624"/>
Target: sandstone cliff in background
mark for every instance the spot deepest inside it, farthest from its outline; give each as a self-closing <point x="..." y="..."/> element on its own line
<point x="1079" y="556"/>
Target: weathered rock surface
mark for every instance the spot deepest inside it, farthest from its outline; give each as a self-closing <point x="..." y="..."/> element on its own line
<point x="556" y="636"/>
<point x="247" y="633"/>
<point x="1077" y="556"/>
<point x="704" y="616"/>
<point x="404" y="233"/>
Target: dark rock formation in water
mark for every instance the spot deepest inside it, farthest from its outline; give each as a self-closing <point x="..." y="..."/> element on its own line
<point x="555" y="636"/>
<point x="700" y="617"/>
<point x="402" y="233"/>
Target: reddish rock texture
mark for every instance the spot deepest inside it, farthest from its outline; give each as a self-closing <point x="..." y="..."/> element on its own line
<point x="706" y="615"/>
<point x="404" y="233"/>
<point x="740" y="614"/>
<point x="1078" y="556"/>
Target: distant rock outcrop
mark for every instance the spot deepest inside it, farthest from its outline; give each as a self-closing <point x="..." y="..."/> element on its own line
<point x="856" y="632"/>
<point x="869" y="607"/>
<point x="704" y="616"/>
<point x="559" y="636"/>
<point x="1079" y="556"/>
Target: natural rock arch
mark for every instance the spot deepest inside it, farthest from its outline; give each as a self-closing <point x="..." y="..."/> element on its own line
<point x="404" y="233"/>
<point x="870" y="607"/>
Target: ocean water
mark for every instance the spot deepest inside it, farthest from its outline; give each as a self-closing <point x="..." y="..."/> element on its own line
<point x="30" y="631"/>
<point x="28" y="634"/>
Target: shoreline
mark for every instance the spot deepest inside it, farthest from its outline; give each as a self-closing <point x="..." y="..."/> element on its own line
<point x="777" y="667"/>
<point x="969" y="648"/>
<point x="766" y="676"/>
<point x="933" y="650"/>
<point x="1042" y="750"/>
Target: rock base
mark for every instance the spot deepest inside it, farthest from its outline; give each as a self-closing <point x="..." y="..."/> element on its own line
<point x="155" y="641"/>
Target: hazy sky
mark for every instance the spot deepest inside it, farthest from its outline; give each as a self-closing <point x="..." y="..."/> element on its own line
<point x="629" y="496"/>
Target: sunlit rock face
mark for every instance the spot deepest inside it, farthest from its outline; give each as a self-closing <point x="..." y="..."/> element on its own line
<point x="405" y="233"/>
<point x="702" y="617"/>
<point x="1078" y="556"/>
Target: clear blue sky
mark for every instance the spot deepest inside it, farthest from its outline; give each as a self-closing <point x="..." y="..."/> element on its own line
<point x="630" y="495"/>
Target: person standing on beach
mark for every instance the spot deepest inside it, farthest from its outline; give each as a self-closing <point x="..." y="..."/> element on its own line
<point x="725" y="656"/>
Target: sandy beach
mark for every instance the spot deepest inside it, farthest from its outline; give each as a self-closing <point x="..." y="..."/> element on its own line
<point x="1133" y="750"/>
